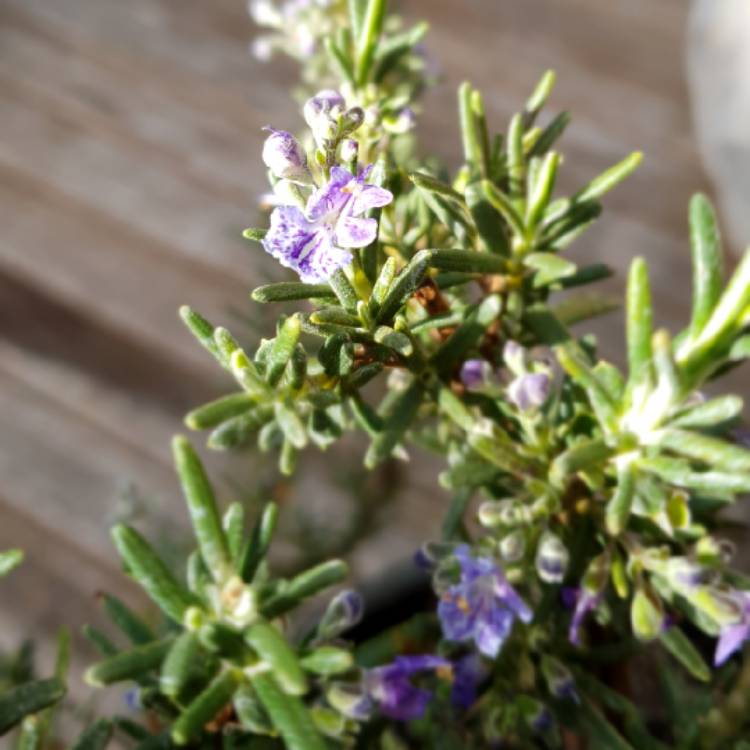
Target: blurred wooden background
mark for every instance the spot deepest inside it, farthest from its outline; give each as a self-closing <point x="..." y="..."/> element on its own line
<point x="130" y="137"/>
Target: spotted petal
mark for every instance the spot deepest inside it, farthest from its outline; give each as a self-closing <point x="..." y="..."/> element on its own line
<point x="302" y="245"/>
<point x="370" y="196"/>
<point x="351" y="232"/>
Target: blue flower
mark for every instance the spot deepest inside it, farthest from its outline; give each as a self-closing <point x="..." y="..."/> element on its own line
<point x="314" y="243"/>
<point x="391" y="688"/>
<point x="734" y="635"/>
<point x="482" y="606"/>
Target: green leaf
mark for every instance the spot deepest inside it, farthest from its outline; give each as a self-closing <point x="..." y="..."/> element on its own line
<point x="541" y="93"/>
<point x="255" y="235"/>
<point x="357" y="10"/>
<point x="609" y="179"/>
<point x="584" y="455"/>
<point x="328" y="660"/>
<point x="186" y="669"/>
<point x="26" y="699"/>
<point x="488" y="221"/>
<point x="467" y="334"/>
<point x="470" y="112"/>
<point x="95" y="737"/>
<point x="203" y="331"/>
<point x="679" y="473"/>
<point x="646" y="615"/>
<point x="600" y="732"/>
<point x="287" y="291"/>
<point x="150" y="572"/>
<point x="204" y="708"/>
<point x="618" y="507"/>
<point x="367" y="40"/>
<point x="237" y="431"/>
<point x="550" y="134"/>
<point x="708" y="266"/>
<point x="549" y="268"/>
<point x="204" y="512"/>
<point x="260" y="540"/>
<point x="574" y="363"/>
<point x="577" y="308"/>
<point x="339" y="59"/>
<point x="718" y="454"/>
<point x="680" y="646"/>
<point x="10" y="560"/>
<point x="639" y="324"/>
<point x="467" y="261"/>
<point x="516" y="161"/>
<point x="396" y="421"/>
<point x="715" y="411"/>
<point x="283" y="348"/>
<point x="132" y="664"/>
<point x="129" y="623"/>
<point x="306" y="584"/>
<point x="503" y="204"/>
<point x="404" y="285"/>
<point x="291" y="425"/>
<point x="218" y="411"/>
<point x="541" y="189"/>
<point x="288" y="714"/>
<point x="271" y="647"/>
<point x="233" y="523"/>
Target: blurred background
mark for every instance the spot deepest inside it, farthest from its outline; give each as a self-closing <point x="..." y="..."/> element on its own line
<point x="130" y="139"/>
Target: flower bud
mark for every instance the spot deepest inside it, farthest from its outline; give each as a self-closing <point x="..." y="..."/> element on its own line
<point x="529" y="391"/>
<point x="284" y="156"/>
<point x="559" y="679"/>
<point x="350" y="700"/>
<point x="512" y="546"/>
<point x="494" y="513"/>
<point x="646" y="615"/>
<point x="552" y="558"/>
<point x="353" y="119"/>
<point x="476" y="373"/>
<point x="349" y="150"/>
<point x="400" y="122"/>
<point x="344" y="611"/>
<point x="321" y="113"/>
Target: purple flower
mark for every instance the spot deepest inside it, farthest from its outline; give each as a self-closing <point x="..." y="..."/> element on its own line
<point x="529" y="391"/>
<point x="482" y="606"/>
<point x="391" y="688"/>
<point x="582" y="602"/>
<point x="321" y="113"/>
<point x="314" y="243"/>
<point x="284" y="156"/>
<point x="475" y="373"/>
<point x="468" y="672"/>
<point x="734" y="635"/>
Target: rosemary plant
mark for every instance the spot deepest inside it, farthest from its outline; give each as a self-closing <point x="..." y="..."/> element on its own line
<point x="580" y="566"/>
